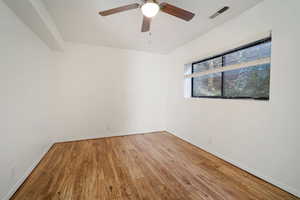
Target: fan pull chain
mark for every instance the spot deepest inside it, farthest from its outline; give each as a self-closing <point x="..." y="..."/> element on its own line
<point x="150" y="38"/>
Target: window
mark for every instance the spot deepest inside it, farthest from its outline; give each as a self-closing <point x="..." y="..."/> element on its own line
<point x="242" y="73"/>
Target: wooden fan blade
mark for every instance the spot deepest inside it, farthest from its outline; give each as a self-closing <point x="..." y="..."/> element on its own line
<point x="119" y="9"/>
<point x="177" y="12"/>
<point x="146" y="24"/>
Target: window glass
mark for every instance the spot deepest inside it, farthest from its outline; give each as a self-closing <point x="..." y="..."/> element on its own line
<point x="208" y="65"/>
<point x="251" y="82"/>
<point x="249" y="54"/>
<point x="208" y="85"/>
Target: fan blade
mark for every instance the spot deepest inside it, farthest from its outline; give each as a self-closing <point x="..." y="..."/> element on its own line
<point x="146" y="24"/>
<point x="119" y="9"/>
<point x="177" y="12"/>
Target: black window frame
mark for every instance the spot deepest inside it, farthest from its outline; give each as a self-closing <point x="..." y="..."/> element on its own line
<point x="262" y="41"/>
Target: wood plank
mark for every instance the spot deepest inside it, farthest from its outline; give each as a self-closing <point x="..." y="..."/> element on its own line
<point x="156" y="166"/>
<point x="119" y="9"/>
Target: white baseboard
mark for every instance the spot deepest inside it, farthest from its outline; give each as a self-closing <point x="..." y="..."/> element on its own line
<point x="255" y="172"/>
<point x="27" y="173"/>
<point x="70" y="139"/>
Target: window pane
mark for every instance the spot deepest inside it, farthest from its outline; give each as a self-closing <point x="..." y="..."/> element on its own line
<point x="208" y="85"/>
<point x="250" y="82"/>
<point x="249" y="54"/>
<point x="253" y="82"/>
<point x="208" y="65"/>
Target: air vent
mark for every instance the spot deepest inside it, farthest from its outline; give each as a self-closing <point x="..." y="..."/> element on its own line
<point x="219" y="12"/>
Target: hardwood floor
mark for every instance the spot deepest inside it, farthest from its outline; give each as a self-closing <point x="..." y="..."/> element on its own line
<point x="156" y="166"/>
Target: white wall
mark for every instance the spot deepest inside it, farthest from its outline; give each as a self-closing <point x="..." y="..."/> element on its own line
<point x="89" y="92"/>
<point x="84" y="92"/>
<point x="259" y="136"/>
<point x="106" y="91"/>
<point x="27" y="88"/>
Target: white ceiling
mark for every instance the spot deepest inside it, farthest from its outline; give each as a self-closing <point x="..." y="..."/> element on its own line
<point x="78" y="21"/>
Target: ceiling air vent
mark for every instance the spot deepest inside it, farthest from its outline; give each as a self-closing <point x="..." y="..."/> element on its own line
<point x="219" y="12"/>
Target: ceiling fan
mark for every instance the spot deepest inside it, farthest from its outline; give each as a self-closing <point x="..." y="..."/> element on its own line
<point x="149" y="9"/>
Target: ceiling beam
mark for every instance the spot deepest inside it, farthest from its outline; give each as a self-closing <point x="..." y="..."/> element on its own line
<point x="34" y="14"/>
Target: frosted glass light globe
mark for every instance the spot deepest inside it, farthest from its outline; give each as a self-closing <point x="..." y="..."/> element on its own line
<point x="150" y="9"/>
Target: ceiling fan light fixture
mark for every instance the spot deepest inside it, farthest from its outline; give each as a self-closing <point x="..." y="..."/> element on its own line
<point x="150" y="9"/>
